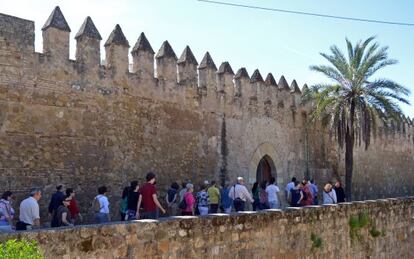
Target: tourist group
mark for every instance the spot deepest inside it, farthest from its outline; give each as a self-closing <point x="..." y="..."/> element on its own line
<point x="141" y="202"/>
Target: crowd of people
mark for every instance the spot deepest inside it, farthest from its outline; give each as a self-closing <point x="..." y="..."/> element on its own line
<point x="142" y="202"/>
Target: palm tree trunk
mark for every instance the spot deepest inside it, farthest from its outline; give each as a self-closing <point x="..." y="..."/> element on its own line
<point x="349" y="154"/>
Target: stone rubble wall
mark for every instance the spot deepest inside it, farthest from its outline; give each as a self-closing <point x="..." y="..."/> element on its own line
<point x="267" y="234"/>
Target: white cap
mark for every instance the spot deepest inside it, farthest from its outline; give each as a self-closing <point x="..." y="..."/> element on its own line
<point x="189" y="186"/>
<point x="240" y="178"/>
<point x="206" y="182"/>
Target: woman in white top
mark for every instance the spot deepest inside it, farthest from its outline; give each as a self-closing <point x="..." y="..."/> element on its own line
<point x="101" y="206"/>
<point x="329" y="194"/>
<point x="273" y="194"/>
<point x="6" y="212"/>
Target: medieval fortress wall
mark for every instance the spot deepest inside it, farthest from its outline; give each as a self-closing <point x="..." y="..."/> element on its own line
<point x="86" y="124"/>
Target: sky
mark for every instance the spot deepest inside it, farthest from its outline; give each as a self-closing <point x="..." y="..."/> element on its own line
<point x="284" y="44"/>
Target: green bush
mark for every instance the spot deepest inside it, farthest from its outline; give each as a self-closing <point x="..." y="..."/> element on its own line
<point x="353" y="222"/>
<point x="364" y="219"/>
<point x="374" y="232"/>
<point x="20" y="249"/>
<point x="356" y="223"/>
<point x="317" y="241"/>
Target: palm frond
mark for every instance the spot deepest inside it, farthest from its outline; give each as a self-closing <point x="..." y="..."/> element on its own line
<point x="355" y="103"/>
<point x="388" y="85"/>
<point x="329" y="72"/>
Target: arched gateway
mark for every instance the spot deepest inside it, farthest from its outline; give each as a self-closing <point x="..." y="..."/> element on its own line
<point x="265" y="163"/>
<point x="265" y="169"/>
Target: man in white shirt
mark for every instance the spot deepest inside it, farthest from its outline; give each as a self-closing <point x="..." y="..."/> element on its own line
<point x="239" y="194"/>
<point x="289" y="187"/>
<point x="29" y="211"/>
<point x="273" y="194"/>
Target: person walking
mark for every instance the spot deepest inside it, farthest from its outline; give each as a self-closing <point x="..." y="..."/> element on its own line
<point x="263" y="199"/>
<point x="172" y="199"/>
<point x="132" y="201"/>
<point x="63" y="216"/>
<point x="296" y="195"/>
<point x="307" y="194"/>
<point x="329" y="195"/>
<point x="339" y="191"/>
<point x="202" y="200"/>
<point x="289" y="187"/>
<point x="314" y="190"/>
<point x="123" y="205"/>
<point x="100" y="206"/>
<point x="214" y="196"/>
<point x="54" y="203"/>
<point x="239" y="194"/>
<point x="226" y="202"/>
<point x="183" y="190"/>
<point x="273" y="196"/>
<point x="6" y="212"/>
<point x="189" y="201"/>
<point x="29" y="211"/>
<point x="256" y="196"/>
<point x="75" y="216"/>
<point x="148" y="197"/>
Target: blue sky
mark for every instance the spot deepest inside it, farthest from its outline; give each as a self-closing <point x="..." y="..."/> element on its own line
<point x="284" y="44"/>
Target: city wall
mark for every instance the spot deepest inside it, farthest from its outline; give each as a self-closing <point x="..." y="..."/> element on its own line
<point x="314" y="232"/>
<point x="86" y="123"/>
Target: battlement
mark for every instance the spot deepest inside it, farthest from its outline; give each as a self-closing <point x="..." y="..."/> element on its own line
<point x="172" y="78"/>
<point x="153" y="75"/>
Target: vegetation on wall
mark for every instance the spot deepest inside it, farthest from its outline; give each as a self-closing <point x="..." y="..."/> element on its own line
<point x="362" y="221"/>
<point x="317" y="242"/>
<point x="18" y="249"/>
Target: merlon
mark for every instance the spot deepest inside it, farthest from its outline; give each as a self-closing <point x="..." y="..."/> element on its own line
<point x="283" y="84"/>
<point x="242" y="73"/>
<point x="117" y="37"/>
<point x="207" y="62"/>
<point x="88" y="29"/>
<point x="225" y="68"/>
<point x="187" y="57"/>
<point x="142" y="44"/>
<point x="166" y="51"/>
<point x="256" y="77"/>
<point x="294" y="87"/>
<point x="56" y="20"/>
<point x="270" y="80"/>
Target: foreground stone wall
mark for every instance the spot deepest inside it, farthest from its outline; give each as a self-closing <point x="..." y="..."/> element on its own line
<point x="85" y="124"/>
<point x="389" y="233"/>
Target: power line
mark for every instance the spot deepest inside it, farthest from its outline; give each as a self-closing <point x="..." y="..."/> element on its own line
<point x="308" y="14"/>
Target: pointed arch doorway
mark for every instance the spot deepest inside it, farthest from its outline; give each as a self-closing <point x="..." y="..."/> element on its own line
<point x="269" y="152"/>
<point x="265" y="169"/>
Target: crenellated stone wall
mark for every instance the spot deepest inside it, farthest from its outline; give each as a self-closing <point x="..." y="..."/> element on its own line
<point x="87" y="123"/>
<point x="310" y="232"/>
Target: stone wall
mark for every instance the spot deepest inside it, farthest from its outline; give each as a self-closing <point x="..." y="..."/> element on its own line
<point x="85" y="124"/>
<point x="314" y="232"/>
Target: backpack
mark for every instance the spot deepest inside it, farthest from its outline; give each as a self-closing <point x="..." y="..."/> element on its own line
<point x="183" y="204"/>
<point x="96" y="205"/>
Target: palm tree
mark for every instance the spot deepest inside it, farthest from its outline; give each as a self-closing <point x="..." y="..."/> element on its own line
<point x="354" y="102"/>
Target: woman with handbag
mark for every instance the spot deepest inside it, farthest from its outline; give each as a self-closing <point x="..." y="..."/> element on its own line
<point x="6" y="212"/>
